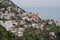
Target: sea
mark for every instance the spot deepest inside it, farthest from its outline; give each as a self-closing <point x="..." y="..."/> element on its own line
<point x="45" y="12"/>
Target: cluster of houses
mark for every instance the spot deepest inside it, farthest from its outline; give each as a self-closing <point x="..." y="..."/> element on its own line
<point x="7" y="15"/>
<point x="11" y="25"/>
<point x="17" y="31"/>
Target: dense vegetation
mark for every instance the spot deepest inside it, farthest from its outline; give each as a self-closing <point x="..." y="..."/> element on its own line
<point x="5" y="35"/>
<point x="5" y="4"/>
<point x="31" y="34"/>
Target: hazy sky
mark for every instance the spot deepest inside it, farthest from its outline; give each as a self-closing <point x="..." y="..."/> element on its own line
<point x="49" y="9"/>
<point x="37" y="3"/>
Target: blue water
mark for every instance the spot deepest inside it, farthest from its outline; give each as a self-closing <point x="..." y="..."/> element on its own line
<point x="45" y="12"/>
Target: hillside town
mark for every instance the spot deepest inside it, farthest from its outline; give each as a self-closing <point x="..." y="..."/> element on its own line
<point x="16" y="20"/>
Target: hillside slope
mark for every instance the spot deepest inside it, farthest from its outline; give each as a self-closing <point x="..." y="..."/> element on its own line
<point x="4" y="4"/>
<point x="17" y="24"/>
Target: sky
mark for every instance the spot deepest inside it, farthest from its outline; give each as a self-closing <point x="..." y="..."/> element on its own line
<point x="37" y="3"/>
<point x="49" y="9"/>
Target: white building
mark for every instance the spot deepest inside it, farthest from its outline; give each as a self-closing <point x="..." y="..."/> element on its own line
<point x="9" y="8"/>
<point x="24" y="18"/>
<point x="23" y="14"/>
<point x="57" y="23"/>
<point x="38" y="26"/>
<point x="50" y="22"/>
<point x="52" y="34"/>
<point x="19" y="34"/>
<point x="19" y="15"/>
<point x="12" y="14"/>
<point x="22" y="22"/>
<point x="18" y="31"/>
<point x="8" y="24"/>
<point x="26" y="26"/>
<point x="15" y="30"/>
<point x="35" y="25"/>
<point x="21" y="29"/>
<point x="41" y="26"/>
<point x="6" y="15"/>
